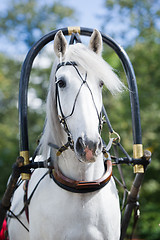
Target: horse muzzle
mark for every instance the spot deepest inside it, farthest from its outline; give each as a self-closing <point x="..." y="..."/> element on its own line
<point x="87" y="150"/>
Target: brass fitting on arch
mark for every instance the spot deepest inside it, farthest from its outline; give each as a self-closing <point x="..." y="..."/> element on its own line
<point x="73" y="30"/>
<point x="138" y="153"/>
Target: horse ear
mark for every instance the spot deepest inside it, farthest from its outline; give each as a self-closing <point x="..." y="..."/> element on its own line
<point x="96" y="42"/>
<point x="60" y="44"/>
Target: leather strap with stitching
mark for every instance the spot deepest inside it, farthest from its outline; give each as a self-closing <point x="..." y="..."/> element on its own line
<point x="82" y="186"/>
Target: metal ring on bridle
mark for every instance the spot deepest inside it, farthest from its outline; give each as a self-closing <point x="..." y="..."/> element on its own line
<point x="116" y="137"/>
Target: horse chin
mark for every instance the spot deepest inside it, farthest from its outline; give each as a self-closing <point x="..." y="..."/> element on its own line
<point x="86" y="161"/>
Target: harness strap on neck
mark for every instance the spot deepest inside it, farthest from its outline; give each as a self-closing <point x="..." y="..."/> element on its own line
<point x="75" y="37"/>
<point x="82" y="186"/>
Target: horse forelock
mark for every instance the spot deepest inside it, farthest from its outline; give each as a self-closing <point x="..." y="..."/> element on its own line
<point x="94" y="63"/>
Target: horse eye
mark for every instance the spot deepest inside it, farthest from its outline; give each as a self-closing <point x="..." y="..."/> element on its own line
<point x="61" y="83"/>
<point x="101" y="84"/>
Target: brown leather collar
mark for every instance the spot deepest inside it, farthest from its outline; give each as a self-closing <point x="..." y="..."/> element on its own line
<point x="82" y="186"/>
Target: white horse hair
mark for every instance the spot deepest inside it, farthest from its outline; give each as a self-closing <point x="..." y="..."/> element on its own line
<point x="55" y="213"/>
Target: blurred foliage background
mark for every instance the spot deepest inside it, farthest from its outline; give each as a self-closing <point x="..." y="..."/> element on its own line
<point x="24" y="22"/>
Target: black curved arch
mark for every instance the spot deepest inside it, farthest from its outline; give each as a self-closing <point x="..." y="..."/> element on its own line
<point x="26" y="70"/>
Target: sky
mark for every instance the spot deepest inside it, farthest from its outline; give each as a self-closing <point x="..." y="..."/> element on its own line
<point x="89" y="12"/>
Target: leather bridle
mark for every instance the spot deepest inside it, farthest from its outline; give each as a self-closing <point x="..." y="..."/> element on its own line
<point x="62" y="117"/>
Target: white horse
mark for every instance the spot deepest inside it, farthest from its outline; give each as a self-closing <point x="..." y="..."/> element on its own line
<point x="74" y="106"/>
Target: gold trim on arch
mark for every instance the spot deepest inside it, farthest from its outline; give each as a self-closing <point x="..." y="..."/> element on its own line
<point x="138" y="153"/>
<point x="25" y="155"/>
<point x="74" y="30"/>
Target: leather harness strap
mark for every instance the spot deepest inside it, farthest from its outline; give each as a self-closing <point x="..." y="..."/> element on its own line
<point x="69" y="184"/>
<point x="82" y="186"/>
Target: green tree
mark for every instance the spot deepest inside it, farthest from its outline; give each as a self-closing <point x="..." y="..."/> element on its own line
<point x="133" y="20"/>
<point x="28" y="20"/>
<point x="23" y="23"/>
<point x="140" y="19"/>
<point x="8" y="117"/>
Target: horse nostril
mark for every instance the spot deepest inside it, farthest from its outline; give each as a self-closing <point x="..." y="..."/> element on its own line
<point x="87" y="148"/>
<point x="80" y="145"/>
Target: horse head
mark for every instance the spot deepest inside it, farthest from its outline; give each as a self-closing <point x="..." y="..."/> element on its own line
<point x="74" y="102"/>
<point x="79" y="97"/>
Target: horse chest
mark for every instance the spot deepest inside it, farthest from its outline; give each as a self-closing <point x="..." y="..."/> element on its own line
<point x="77" y="219"/>
<point x="68" y="215"/>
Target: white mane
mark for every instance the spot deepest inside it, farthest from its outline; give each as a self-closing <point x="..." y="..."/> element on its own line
<point x="89" y="61"/>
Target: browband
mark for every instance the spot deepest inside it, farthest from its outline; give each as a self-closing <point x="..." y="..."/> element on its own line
<point x="65" y="63"/>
